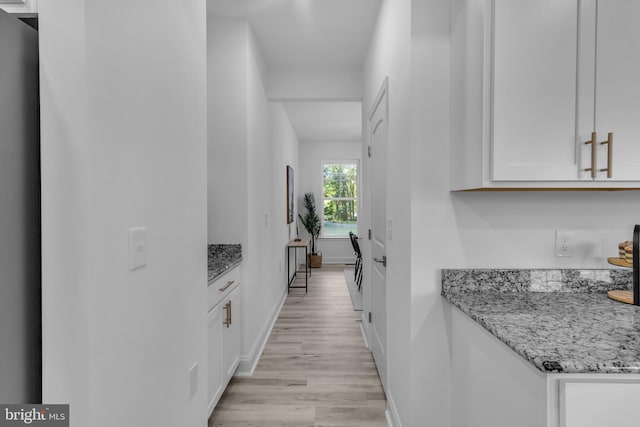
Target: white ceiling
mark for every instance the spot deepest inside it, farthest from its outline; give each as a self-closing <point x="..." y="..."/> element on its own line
<point x="306" y="33"/>
<point x="310" y="34"/>
<point x="326" y="121"/>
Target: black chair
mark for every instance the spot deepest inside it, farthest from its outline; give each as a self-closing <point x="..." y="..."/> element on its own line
<point x="358" y="267"/>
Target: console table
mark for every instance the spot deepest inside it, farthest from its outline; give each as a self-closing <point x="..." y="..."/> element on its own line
<point x="295" y="245"/>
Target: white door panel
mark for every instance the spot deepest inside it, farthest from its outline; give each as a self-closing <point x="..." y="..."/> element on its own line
<point x="379" y="148"/>
<point x="534" y="90"/>
<point x="617" y="87"/>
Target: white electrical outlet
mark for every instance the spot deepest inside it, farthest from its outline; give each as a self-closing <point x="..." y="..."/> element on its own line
<point x="193" y="378"/>
<point x="137" y="247"/>
<point x="565" y="244"/>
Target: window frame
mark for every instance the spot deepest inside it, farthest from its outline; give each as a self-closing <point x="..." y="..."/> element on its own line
<point x="355" y="162"/>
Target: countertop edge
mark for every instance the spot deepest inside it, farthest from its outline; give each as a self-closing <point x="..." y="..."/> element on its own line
<point x="544" y="366"/>
<point x="226" y="269"/>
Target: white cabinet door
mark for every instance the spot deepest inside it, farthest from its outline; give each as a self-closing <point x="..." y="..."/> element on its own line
<point x="535" y="85"/>
<point x="598" y="404"/>
<point x="618" y="87"/>
<point x="214" y="341"/>
<point x="230" y="335"/>
<point x="551" y="73"/>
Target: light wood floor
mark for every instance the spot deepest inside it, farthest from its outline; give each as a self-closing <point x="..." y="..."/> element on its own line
<point x="315" y="369"/>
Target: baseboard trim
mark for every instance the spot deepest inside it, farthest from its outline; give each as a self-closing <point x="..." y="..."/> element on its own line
<point x="248" y="363"/>
<point x="364" y="336"/>
<point x="387" y="416"/>
<point x="365" y="329"/>
<point x="337" y="260"/>
<point x="391" y="414"/>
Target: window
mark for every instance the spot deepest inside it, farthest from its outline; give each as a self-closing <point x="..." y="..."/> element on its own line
<point x="340" y="198"/>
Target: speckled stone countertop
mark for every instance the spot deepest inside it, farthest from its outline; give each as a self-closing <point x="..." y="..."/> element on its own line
<point x="559" y="320"/>
<point x="223" y="257"/>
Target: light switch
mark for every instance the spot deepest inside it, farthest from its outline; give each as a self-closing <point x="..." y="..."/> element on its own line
<point x="137" y="247"/>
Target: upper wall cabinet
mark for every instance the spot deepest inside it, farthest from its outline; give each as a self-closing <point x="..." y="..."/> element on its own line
<point x="545" y="94"/>
<point x="21" y="7"/>
<point x="617" y="85"/>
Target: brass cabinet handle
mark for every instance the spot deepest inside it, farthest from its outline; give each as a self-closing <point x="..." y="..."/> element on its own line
<point x="229" y="283"/>
<point x="609" y="143"/>
<point x="227" y="320"/>
<point x="593" y="143"/>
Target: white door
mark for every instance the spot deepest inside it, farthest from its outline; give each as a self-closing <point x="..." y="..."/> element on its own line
<point x="379" y="145"/>
<point x="617" y="87"/>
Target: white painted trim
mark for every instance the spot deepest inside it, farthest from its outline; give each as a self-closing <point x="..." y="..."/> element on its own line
<point x="20" y="8"/>
<point x="381" y="93"/>
<point x="364" y="327"/>
<point x="364" y="334"/>
<point x="248" y="363"/>
<point x="337" y="260"/>
<point x="391" y="414"/>
<point x="387" y="416"/>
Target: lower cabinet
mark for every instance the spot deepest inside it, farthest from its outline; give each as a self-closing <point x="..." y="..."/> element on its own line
<point x="492" y="386"/>
<point x="214" y="338"/>
<point x="591" y="403"/>
<point x="230" y="347"/>
<point x="223" y="335"/>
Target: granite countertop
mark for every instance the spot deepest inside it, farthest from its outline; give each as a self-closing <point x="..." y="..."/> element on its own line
<point x="559" y="320"/>
<point x="221" y="258"/>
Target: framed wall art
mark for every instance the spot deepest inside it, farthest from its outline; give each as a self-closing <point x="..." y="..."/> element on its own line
<point x="290" y="197"/>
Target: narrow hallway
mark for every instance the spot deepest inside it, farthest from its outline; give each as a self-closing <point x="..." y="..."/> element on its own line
<point x="315" y="369"/>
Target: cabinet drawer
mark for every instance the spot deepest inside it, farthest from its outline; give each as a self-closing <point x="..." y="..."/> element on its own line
<point x="222" y="286"/>
<point x="599" y="403"/>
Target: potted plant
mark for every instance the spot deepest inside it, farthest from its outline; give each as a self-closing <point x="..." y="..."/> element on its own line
<point x="311" y="223"/>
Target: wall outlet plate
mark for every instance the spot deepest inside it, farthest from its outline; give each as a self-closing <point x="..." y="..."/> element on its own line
<point x="565" y="246"/>
<point x="137" y="247"/>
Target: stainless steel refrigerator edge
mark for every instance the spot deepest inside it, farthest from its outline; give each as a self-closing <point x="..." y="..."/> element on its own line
<point x="20" y="247"/>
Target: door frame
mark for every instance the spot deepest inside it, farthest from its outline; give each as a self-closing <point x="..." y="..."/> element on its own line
<point x="367" y="206"/>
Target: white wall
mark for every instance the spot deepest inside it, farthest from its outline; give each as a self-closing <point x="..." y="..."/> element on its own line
<point x="312" y="154"/>
<point x="389" y="55"/>
<point x="286" y="149"/>
<point x="261" y="293"/>
<point x="459" y="230"/>
<point x="250" y="142"/>
<point x="124" y="145"/>
<point x="334" y="84"/>
<point x="227" y="41"/>
<point x="429" y="163"/>
<point x="66" y="250"/>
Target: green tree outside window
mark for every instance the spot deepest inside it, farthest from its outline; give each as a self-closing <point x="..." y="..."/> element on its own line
<point x="340" y="198"/>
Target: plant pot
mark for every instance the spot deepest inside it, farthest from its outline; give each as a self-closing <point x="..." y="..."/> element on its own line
<point x="315" y="261"/>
